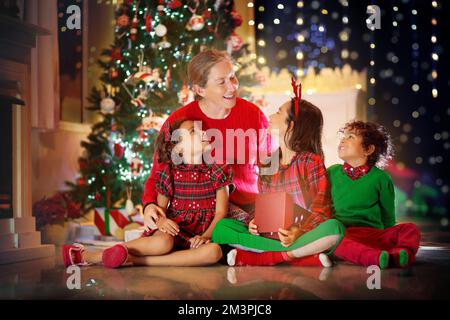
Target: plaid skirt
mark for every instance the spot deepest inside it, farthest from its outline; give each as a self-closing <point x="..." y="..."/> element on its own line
<point x="239" y="213"/>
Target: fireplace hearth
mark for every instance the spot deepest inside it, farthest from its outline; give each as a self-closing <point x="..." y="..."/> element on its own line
<point x="19" y="239"/>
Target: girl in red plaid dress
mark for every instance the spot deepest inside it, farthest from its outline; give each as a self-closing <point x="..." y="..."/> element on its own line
<point x="194" y="197"/>
<point x="302" y="174"/>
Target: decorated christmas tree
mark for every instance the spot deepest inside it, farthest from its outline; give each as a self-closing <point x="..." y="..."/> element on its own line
<point x="144" y="80"/>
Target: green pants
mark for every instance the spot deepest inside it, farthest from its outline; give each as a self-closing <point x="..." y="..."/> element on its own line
<point x="233" y="232"/>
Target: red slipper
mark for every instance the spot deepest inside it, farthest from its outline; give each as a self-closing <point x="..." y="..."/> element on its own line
<point x="115" y="256"/>
<point x="72" y="254"/>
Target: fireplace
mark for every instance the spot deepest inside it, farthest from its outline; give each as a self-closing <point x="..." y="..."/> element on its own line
<point x="19" y="239"/>
<point x="7" y="103"/>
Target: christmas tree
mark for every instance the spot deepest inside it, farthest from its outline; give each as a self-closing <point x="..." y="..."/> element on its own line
<point x="144" y="80"/>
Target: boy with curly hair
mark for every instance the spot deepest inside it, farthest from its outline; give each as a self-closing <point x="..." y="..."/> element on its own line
<point x="363" y="200"/>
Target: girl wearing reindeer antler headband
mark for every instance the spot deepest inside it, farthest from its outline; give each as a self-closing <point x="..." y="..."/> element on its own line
<point x="301" y="173"/>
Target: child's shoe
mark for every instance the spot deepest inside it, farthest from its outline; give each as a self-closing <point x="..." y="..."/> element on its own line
<point x="72" y="255"/>
<point x="115" y="256"/>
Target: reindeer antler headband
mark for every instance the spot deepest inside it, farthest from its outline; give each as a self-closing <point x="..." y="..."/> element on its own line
<point x="297" y="88"/>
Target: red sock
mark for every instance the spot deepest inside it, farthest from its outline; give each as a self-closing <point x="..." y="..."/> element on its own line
<point x="309" y="261"/>
<point x="268" y="258"/>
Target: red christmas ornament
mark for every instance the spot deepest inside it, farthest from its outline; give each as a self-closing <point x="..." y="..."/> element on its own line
<point x="206" y="14"/>
<point x="237" y="18"/>
<point x="81" y="182"/>
<point x="136" y="166"/>
<point x="148" y="23"/>
<point x="97" y="196"/>
<point x="234" y="42"/>
<point x="116" y="54"/>
<point x="174" y="4"/>
<point x="83" y="164"/>
<point x="196" y="23"/>
<point x="123" y="21"/>
<point x="113" y="73"/>
<point x="118" y="150"/>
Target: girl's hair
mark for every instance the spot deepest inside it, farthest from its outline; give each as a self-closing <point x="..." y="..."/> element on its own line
<point x="373" y="134"/>
<point x="164" y="144"/>
<point x="201" y="64"/>
<point x="306" y="134"/>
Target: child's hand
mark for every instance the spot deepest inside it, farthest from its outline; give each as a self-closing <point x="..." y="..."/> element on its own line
<point x="197" y="241"/>
<point x="168" y="226"/>
<point x="253" y="228"/>
<point x="288" y="237"/>
<point x="152" y="214"/>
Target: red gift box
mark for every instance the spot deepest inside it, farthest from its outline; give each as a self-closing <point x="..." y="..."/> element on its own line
<point x="273" y="211"/>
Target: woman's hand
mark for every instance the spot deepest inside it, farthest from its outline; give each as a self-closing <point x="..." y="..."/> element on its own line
<point x="288" y="236"/>
<point x="168" y="226"/>
<point x="253" y="228"/>
<point x="197" y="241"/>
<point x="152" y="214"/>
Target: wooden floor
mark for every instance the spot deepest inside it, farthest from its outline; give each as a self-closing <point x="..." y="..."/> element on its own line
<point x="428" y="278"/>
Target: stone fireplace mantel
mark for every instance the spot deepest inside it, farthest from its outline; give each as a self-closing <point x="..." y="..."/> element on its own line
<point x="19" y="239"/>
